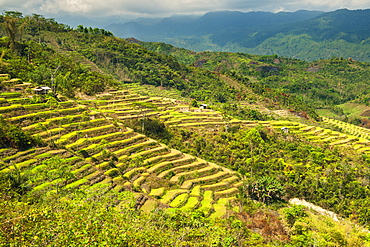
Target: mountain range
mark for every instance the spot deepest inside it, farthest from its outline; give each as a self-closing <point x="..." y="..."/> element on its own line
<point x="307" y="35"/>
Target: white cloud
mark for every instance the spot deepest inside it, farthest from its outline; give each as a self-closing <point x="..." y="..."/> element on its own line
<point x="71" y="6"/>
<point x="279" y="9"/>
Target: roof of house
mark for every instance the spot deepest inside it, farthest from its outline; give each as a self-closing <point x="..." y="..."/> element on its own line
<point x="42" y="88"/>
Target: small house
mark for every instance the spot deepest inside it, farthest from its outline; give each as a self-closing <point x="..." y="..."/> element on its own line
<point x="42" y="90"/>
<point x="285" y="130"/>
<point x="203" y="106"/>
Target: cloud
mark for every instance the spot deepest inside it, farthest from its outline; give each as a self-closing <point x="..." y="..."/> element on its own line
<point x="152" y="8"/>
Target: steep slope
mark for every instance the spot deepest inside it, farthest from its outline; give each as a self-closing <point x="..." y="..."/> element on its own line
<point x="130" y="61"/>
<point x="326" y="84"/>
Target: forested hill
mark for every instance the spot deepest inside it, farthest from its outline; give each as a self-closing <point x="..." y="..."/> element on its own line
<point x="332" y="86"/>
<point x="308" y="35"/>
<point x="349" y="25"/>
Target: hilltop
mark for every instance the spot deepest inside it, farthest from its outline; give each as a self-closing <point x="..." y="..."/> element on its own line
<point x="134" y="144"/>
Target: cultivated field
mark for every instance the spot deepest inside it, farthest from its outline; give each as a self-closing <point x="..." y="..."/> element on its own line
<point x="98" y="151"/>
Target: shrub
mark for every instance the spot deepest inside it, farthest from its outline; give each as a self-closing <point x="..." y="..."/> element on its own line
<point x="112" y="172"/>
<point x="13" y="136"/>
<point x="293" y="213"/>
<point x="264" y="189"/>
<point x="152" y="128"/>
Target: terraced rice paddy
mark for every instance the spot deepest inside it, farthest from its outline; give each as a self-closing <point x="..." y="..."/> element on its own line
<point x="100" y="150"/>
<point x="327" y="136"/>
<point x="349" y="128"/>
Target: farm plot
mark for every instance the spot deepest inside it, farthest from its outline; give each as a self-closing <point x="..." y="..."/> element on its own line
<point x="327" y="136"/>
<point x="182" y="181"/>
<point x="349" y="128"/>
<point x="153" y="91"/>
<point x="144" y="165"/>
<point x="131" y="106"/>
<point x="99" y="151"/>
<point x="49" y="169"/>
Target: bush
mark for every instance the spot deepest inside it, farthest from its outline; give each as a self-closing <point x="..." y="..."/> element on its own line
<point x="293" y="213"/>
<point x="264" y="189"/>
<point x="112" y="172"/>
<point x="152" y="128"/>
<point x="13" y="136"/>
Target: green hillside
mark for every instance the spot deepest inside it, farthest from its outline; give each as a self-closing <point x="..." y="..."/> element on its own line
<point x="327" y="85"/>
<point x="119" y="152"/>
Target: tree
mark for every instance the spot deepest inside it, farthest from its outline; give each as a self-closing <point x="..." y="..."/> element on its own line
<point x="264" y="189"/>
<point x="13" y="136"/>
<point x="2" y="63"/>
<point x="17" y="181"/>
<point x="254" y="139"/>
<point x="54" y="85"/>
<point x="227" y="119"/>
<point x="194" y="103"/>
<point x="14" y="28"/>
<point x="58" y="170"/>
<point x="142" y="106"/>
<point x="35" y="22"/>
<point x="80" y="28"/>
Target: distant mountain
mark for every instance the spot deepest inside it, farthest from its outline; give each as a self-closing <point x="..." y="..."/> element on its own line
<point x="308" y="35"/>
<point x="350" y="25"/>
<point x="210" y="23"/>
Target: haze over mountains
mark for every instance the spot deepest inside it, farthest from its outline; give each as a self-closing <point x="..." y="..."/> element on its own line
<point x="308" y="35"/>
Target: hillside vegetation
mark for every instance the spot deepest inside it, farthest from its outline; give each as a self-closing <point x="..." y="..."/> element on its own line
<point x="119" y="153"/>
<point x="325" y="84"/>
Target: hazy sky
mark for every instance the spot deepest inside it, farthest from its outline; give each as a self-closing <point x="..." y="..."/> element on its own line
<point x="162" y="8"/>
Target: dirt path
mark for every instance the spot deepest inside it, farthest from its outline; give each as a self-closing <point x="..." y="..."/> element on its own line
<point x="318" y="209"/>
